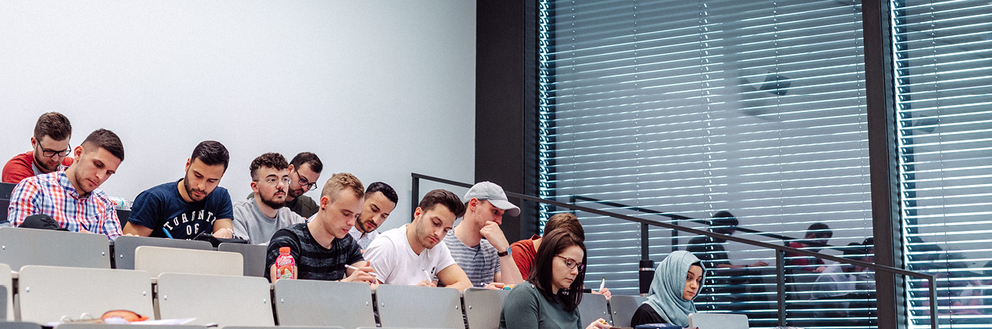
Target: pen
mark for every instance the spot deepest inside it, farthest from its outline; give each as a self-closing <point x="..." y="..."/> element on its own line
<point x="167" y="233"/>
<point x="356" y="269"/>
<point x="429" y="278"/>
<point x="602" y="284"/>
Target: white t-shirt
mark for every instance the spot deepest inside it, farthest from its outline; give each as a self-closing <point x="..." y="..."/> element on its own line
<point x="395" y="263"/>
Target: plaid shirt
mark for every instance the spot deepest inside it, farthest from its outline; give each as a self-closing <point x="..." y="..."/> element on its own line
<point x="52" y="194"/>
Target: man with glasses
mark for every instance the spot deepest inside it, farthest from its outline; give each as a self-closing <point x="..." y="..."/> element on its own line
<point x="49" y="150"/>
<point x="257" y="218"/>
<point x="304" y="172"/>
<point x="72" y="197"/>
<point x="193" y="205"/>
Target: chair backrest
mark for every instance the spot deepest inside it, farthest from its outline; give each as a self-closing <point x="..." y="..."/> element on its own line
<point x="20" y="325"/>
<point x="280" y="327"/>
<point x="419" y="307"/>
<point x="125" y="245"/>
<point x="47" y="293"/>
<point x="254" y="255"/>
<point x="623" y="308"/>
<point x="482" y="307"/>
<point x="5" y="190"/>
<point x="123" y="326"/>
<point x="593" y="307"/>
<point x="718" y="321"/>
<point x="158" y="260"/>
<point x="25" y="246"/>
<point x="6" y="282"/>
<point x="222" y="299"/>
<point x="323" y="303"/>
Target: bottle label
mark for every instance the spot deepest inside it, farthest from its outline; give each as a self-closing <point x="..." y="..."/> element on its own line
<point x="284" y="267"/>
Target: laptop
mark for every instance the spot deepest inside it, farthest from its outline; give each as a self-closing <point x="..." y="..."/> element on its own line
<point x="717" y="321"/>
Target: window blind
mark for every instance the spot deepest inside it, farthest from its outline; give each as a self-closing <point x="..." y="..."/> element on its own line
<point x="692" y="107"/>
<point x="943" y="78"/>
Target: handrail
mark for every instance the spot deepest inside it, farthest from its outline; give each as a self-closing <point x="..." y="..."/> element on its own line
<point x="779" y="249"/>
<point x="680" y="217"/>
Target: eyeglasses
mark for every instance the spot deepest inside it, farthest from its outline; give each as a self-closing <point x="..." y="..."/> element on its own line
<point x="50" y="153"/>
<point x="305" y="182"/>
<point x="275" y="181"/>
<point x="571" y="264"/>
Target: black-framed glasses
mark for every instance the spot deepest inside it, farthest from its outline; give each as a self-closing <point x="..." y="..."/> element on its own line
<point x="305" y="182"/>
<point x="50" y="153"/>
<point x="571" y="264"/>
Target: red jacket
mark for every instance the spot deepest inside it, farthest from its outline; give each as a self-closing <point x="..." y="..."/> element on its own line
<point x="19" y="167"/>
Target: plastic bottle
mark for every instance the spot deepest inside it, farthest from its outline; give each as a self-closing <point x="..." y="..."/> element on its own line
<point x="285" y="264"/>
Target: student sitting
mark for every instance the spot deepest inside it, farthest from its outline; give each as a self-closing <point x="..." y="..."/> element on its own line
<point x="73" y="197"/>
<point x="322" y="248"/>
<point x="551" y="295"/>
<point x="524" y="251"/>
<point x="413" y="254"/>
<point x="676" y="283"/>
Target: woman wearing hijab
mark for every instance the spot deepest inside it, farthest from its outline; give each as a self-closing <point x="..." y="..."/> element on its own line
<point x="676" y="283"/>
<point x="550" y="297"/>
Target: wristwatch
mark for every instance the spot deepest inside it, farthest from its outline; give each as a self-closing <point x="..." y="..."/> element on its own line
<point x="505" y="253"/>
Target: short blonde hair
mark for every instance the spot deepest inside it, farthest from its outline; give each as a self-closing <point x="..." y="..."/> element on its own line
<point x="341" y="181"/>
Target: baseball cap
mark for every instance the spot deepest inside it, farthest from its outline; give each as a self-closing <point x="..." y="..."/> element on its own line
<point x="494" y="194"/>
<point x="41" y="221"/>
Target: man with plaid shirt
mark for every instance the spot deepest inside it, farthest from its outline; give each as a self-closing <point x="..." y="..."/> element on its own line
<point x="72" y="197"/>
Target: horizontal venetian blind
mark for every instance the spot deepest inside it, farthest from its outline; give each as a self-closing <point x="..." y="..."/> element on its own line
<point x="943" y="72"/>
<point x="691" y="107"/>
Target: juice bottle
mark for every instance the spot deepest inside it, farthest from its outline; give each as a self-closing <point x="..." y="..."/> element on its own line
<point x="285" y="264"/>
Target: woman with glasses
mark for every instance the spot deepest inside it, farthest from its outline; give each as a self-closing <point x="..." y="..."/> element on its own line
<point x="676" y="283"/>
<point x="550" y="297"/>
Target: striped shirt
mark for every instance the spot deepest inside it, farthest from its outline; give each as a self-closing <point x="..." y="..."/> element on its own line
<point x="313" y="261"/>
<point x="52" y="194"/>
<point x="480" y="263"/>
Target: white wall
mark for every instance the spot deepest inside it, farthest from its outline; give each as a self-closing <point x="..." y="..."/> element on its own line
<point x="376" y="88"/>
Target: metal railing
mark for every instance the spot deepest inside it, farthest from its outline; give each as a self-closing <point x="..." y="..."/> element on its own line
<point x="780" y="250"/>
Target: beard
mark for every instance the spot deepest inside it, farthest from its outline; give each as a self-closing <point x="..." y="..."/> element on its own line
<point x="43" y="164"/>
<point x="361" y="225"/>
<point x="295" y="193"/>
<point x="274" y="204"/>
<point x="190" y="190"/>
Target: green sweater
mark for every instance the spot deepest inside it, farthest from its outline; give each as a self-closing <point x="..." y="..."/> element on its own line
<point x="526" y="308"/>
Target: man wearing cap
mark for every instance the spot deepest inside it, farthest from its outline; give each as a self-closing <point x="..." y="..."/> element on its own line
<point x="478" y="245"/>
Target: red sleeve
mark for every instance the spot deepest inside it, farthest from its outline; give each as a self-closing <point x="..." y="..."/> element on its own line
<point x="522" y="257"/>
<point x="18" y="168"/>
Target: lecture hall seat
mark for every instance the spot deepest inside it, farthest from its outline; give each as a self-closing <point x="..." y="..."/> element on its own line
<point x="226" y="300"/>
<point x="158" y="260"/>
<point x="49" y="293"/>
<point x="125" y="245"/>
<point x="324" y="303"/>
<point x="25" y="246"/>
<point x="419" y="307"/>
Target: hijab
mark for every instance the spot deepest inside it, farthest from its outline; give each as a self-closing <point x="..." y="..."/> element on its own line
<point x="665" y="295"/>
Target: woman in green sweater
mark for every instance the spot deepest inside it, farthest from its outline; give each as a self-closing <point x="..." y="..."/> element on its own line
<point x="550" y="297"/>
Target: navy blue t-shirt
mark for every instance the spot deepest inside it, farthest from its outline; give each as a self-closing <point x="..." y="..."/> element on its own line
<point x="161" y="208"/>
